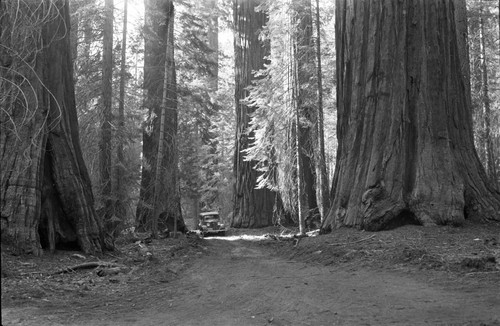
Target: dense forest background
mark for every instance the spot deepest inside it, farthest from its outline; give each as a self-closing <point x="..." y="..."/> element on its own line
<point x="157" y="84"/>
<point x="206" y="101"/>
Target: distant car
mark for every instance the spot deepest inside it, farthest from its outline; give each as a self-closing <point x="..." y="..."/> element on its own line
<point x="210" y="223"/>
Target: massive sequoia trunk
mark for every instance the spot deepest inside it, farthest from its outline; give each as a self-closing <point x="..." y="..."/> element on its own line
<point x="406" y="152"/>
<point x="46" y="194"/>
<point x="252" y="207"/>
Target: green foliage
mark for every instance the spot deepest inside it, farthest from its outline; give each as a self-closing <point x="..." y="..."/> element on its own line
<point x="87" y="16"/>
<point x="206" y="113"/>
<point x="273" y="94"/>
<point x="206" y="121"/>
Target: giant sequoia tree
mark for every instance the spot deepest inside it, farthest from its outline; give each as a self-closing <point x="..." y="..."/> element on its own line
<point x="406" y="151"/>
<point x="252" y="207"/>
<point x="46" y="196"/>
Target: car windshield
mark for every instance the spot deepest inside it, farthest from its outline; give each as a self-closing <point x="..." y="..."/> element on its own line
<point x="211" y="218"/>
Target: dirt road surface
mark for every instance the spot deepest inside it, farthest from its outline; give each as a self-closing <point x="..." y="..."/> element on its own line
<point x="240" y="282"/>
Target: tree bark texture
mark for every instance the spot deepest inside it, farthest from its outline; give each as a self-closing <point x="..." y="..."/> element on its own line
<point x="162" y="203"/>
<point x="304" y="101"/>
<point x="171" y="198"/>
<point x="121" y="196"/>
<point x="252" y="207"/>
<point x="406" y="151"/>
<point x="107" y="98"/>
<point x="45" y="188"/>
<point x="158" y="200"/>
<point x="322" y="182"/>
<point x="155" y="38"/>
<point x="463" y="45"/>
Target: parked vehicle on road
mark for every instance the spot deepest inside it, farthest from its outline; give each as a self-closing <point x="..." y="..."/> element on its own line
<point x="210" y="224"/>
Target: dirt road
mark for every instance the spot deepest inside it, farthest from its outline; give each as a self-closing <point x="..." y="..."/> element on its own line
<point x="244" y="283"/>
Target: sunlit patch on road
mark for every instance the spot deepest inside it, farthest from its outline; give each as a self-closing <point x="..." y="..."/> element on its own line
<point x="246" y="237"/>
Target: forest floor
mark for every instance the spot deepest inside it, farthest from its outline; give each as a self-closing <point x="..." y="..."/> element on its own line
<point x="408" y="276"/>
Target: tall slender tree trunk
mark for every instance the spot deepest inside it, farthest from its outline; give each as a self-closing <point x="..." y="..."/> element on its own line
<point x="155" y="39"/>
<point x="304" y="101"/>
<point x="158" y="207"/>
<point x="252" y="207"/>
<point x="322" y="192"/>
<point x="121" y="196"/>
<point x="166" y="207"/>
<point x="300" y="157"/>
<point x="406" y="152"/>
<point x="171" y="198"/>
<point x="213" y="42"/>
<point x="490" y="154"/>
<point x="46" y="195"/>
<point x="107" y="97"/>
<point x="160" y="173"/>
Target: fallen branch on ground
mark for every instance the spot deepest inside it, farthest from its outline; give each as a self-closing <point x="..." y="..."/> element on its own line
<point x="89" y="265"/>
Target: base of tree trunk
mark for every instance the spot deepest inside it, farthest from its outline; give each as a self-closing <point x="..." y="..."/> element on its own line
<point x="45" y="185"/>
<point x="406" y="152"/>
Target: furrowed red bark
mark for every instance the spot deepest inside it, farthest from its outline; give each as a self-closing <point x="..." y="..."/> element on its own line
<point x="406" y="151"/>
<point x="43" y="177"/>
